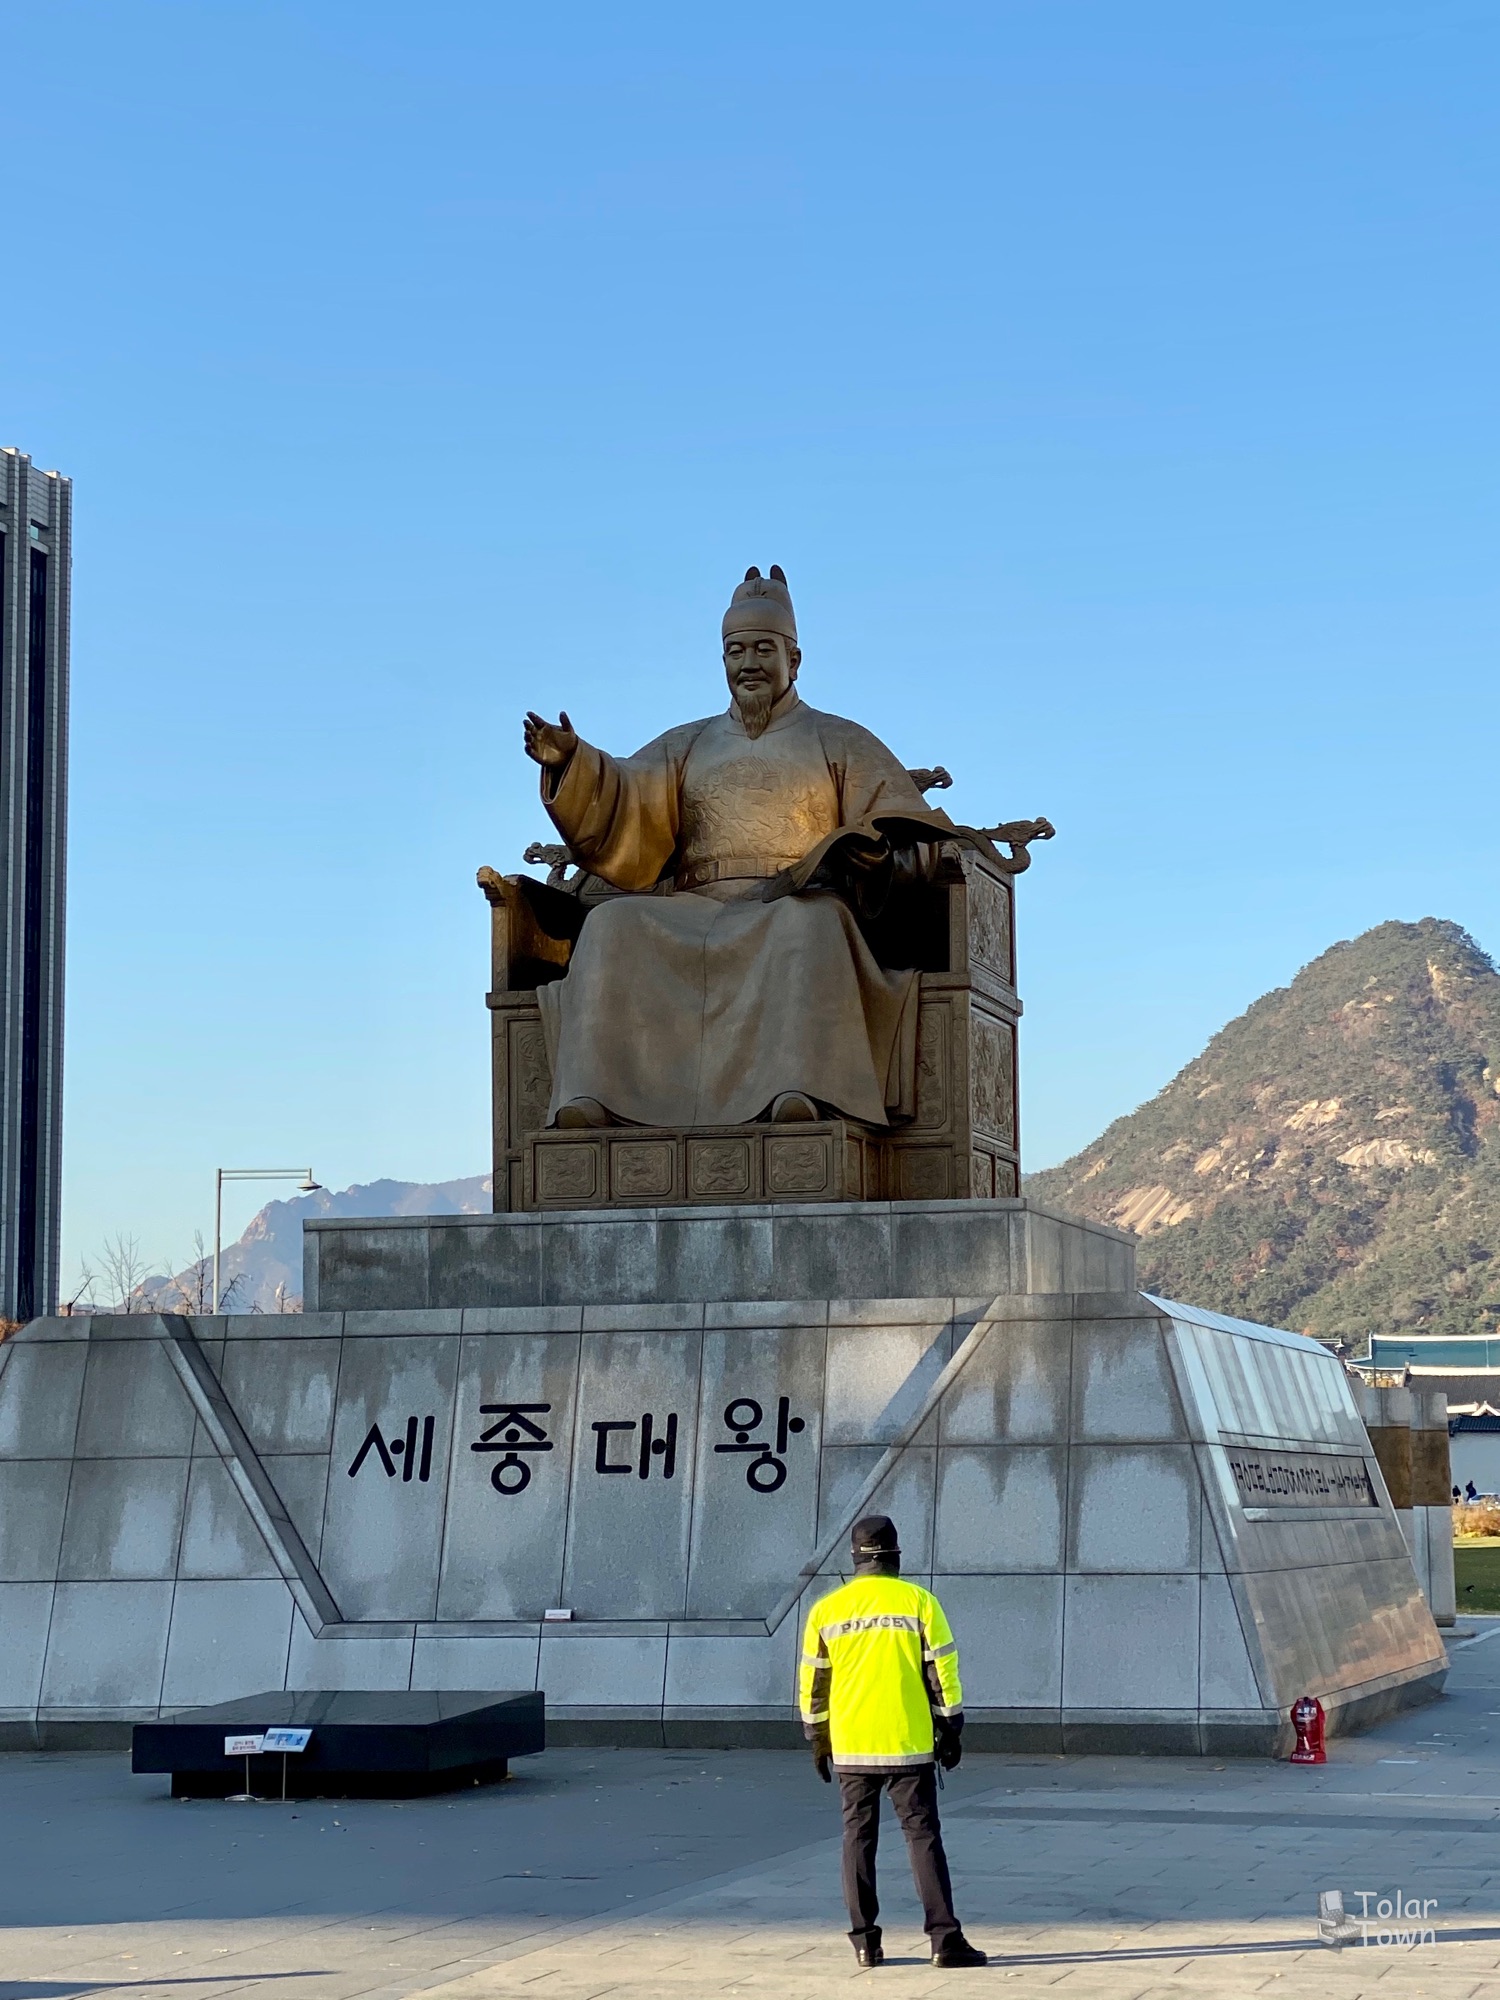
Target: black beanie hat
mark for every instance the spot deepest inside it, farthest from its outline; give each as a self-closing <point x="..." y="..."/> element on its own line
<point x="874" y="1535"/>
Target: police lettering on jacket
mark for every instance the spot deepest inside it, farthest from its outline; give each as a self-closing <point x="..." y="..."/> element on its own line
<point x="879" y="1663"/>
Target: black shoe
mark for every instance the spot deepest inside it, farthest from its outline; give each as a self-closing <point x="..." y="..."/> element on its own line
<point x="956" y="1950"/>
<point x="870" y="1952"/>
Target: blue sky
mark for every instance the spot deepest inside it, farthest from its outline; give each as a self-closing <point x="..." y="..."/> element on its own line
<point x="1116" y="385"/>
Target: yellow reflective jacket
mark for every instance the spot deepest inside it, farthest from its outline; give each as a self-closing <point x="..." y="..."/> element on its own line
<point x="878" y="1661"/>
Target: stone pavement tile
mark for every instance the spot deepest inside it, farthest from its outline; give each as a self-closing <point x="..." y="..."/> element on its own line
<point x="1125" y="1981"/>
<point x="328" y="1966"/>
<point x="1062" y="1904"/>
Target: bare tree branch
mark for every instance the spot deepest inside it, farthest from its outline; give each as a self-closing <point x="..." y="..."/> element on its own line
<point x="123" y="1274"/>
<point x="191" y="1290"/>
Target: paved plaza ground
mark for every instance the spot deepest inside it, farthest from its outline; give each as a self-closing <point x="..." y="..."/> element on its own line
<point x="643" y="1873"/>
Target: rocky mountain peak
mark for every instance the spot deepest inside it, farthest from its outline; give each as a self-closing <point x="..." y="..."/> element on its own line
<point x="1332" y="1159"/>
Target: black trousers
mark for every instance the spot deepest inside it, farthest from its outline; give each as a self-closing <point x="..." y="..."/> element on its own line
<point x="914" y="1795"/>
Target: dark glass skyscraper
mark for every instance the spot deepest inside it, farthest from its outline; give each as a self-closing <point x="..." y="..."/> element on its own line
<point x="36" y="511"/>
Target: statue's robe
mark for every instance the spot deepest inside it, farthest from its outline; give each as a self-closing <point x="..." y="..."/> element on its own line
<point x="700" y="1003"/>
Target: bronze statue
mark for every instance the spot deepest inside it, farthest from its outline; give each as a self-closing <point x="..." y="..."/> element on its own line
<point x="732" y="867"/>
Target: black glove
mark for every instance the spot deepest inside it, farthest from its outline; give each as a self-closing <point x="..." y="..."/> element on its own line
<point x="948" y="1745"/>
<point x="822" y="1753"/>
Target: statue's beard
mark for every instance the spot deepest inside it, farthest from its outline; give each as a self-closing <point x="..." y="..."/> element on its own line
<point x="755" y="705"/>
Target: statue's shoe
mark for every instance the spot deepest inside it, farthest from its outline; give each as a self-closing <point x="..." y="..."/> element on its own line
<point x="792" y="1107"/>
<point x="579" y="1112"/>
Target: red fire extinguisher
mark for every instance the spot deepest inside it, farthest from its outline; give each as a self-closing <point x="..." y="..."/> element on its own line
<point x="1308" y="1721"/>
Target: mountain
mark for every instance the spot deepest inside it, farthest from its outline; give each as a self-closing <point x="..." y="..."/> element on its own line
<point x="265" y="1265"/>
<point x="1331" y="1161"/>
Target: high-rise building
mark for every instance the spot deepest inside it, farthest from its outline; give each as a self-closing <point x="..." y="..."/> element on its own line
<point x="36" y="517"/>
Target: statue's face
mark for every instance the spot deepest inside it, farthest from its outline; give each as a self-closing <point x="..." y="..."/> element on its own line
<point x="758" y="662"/>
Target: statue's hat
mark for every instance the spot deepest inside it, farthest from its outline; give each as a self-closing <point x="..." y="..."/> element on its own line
<point x="762" y="604"/>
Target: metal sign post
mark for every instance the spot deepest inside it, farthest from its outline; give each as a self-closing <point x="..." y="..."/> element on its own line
<point x="246" y="1747"/>
<point x="290" y="1742"/>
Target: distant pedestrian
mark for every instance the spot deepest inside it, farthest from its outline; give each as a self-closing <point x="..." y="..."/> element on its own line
<point x="1471" y="1491"/>
<point x="1456" y="1496"/>
<point x="882" y="1706"/>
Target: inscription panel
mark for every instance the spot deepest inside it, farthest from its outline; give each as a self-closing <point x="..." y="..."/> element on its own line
<point x="1300" y="1479"/>
<point x="933" y="1023"/>
<point x="642" y="1169"/>
<point x="383" y="1523"/>
<point x="568" y="1173"/>
<point x="823" y="1161"/>
<point x="630" y="1513"/>
<point x="923" y="1173"/>
<point x="992" y="1077"/>
<point x="796" y="1166"/>
<point x="718" y="1167"/>
<point x="508" y="1475"/>
<point x="530" y="1078"/>
<point x="760" y="1430"/>
<point x="989" y="924"/>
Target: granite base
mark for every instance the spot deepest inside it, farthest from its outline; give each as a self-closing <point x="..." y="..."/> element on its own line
<point x="395" y="1496"/>
<point x="781" y="1252"/>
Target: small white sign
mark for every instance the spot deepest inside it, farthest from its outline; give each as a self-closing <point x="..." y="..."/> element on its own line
<point x="557" y="1616"/>
<point x="286" y="1740"/>
<point x="243" y="1746"/>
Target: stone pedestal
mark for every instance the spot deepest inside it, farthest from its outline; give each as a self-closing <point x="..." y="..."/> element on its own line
<point x="1408" y="1429"/>
<point x="636" y="1167"/>
<point x="1152" y="1528"/>
<point x="642" y="1256"/>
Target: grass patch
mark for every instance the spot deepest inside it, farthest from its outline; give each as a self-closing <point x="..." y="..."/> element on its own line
<point x="1476" y="1572"/>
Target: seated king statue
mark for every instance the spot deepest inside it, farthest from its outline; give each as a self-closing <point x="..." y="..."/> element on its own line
<point x="729" y="980"/>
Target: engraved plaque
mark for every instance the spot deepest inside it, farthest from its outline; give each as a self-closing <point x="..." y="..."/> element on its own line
<point x="1005" y="1178"/>
<point x="530" y="1079"/>
<point x="982" y="1176"/>
<point x="932" y="1068"/>
<point x="991" y="1086"/>
<point x="718" y="1166"/>
<point x="922" y="1174"/>
<point x="796" y="1166"/>
<point x="1289" y="1478"/>
<point x="641" y="1167"/>
<point x="989" y="924"/>
<point x="568" y="1173"/>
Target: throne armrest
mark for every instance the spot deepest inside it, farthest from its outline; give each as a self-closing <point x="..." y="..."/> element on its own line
<point x="533" y="929"/>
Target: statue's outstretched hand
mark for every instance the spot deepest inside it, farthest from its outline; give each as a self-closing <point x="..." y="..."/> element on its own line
<point x="550" y="743"/>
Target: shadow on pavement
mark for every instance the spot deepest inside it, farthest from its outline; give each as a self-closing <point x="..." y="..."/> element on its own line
<point x="61" y="1989"/>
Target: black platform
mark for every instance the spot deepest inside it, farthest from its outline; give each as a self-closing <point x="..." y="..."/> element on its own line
<point x="364" y="1745"/>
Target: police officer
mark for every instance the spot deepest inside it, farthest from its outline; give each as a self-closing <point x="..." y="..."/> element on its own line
<point x="881" y="1704"/>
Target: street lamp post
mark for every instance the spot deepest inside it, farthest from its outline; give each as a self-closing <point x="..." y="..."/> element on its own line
<point x="303" y="1176"/>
